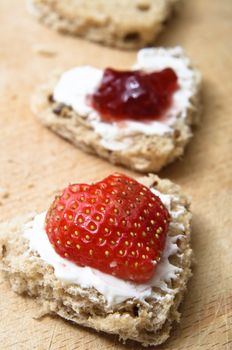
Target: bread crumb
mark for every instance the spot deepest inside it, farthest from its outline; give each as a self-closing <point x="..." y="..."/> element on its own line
<point x="43" y="50"/>
<point x="30" y="185"/>
<point x="4" y="193"/>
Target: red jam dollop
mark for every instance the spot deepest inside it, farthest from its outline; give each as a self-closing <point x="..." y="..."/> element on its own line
<point x="135" y="95"/>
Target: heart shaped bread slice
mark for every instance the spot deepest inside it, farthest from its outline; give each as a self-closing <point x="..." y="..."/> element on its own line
<point x="143" y="312"/>
<point x="145" y="146"/>
<point x="125" y="24"/>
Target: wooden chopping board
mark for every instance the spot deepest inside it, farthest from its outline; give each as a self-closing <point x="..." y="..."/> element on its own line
<point x="35" y="164"/>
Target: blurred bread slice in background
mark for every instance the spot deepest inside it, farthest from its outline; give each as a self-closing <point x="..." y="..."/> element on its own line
<point x="127" y="24"/>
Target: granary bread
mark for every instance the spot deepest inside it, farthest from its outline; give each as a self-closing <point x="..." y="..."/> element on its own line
<point x="124" y="24"/>
<point x="139" y="146"/>
<point x="146" y="320"/>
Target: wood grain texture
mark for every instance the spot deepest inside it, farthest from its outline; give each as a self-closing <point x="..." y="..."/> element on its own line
<point x="35" y="164"/>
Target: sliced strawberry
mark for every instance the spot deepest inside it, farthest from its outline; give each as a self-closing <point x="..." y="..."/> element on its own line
<point x="117" y="226"/>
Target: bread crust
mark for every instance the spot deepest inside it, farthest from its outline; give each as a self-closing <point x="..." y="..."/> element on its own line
<point x="145" y="153"/>
<point x="148" y="322"/>
<point x="126" y="25"/>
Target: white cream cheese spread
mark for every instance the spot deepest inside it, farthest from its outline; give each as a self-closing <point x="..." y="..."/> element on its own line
<point x="114" y="290"/>
<point x="75" y="84"/>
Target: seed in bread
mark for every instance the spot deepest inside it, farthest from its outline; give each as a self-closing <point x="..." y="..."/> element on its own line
<point x="88" y="297"/>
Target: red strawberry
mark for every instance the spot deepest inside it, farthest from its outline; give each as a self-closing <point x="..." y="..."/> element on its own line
<point x="117" y="226"/>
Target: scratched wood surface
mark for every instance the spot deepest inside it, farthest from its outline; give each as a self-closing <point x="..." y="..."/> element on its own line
<point x="35" y="164"/>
